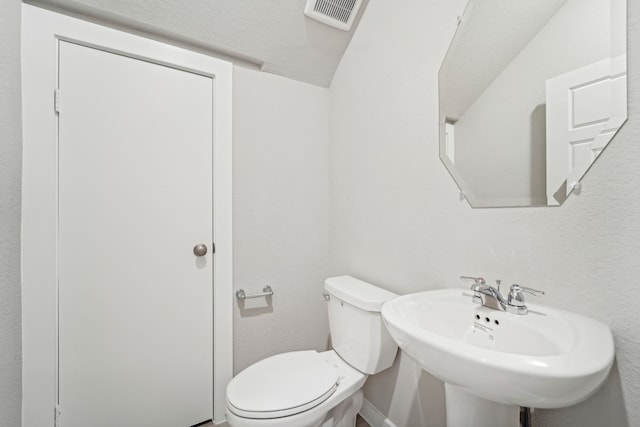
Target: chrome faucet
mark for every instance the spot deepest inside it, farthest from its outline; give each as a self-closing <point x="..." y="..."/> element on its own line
<point x="489" y="296"/>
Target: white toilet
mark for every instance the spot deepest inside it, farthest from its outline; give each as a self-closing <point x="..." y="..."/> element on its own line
<point x="311" y="389"/>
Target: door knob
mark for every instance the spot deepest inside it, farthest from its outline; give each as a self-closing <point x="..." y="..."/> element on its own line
<point x="200" y="249"/>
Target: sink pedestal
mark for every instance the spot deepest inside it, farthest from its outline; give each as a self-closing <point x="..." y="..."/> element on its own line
<point x="464" y="409"/>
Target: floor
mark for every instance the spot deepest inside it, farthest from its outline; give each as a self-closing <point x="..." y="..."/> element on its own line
<point x="360" y="422"/>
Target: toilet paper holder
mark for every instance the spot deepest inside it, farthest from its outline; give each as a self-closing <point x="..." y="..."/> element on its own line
<point x="266" y="292"/>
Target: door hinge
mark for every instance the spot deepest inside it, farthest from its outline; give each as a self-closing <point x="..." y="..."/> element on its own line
<point x="213" y="247"/>
<point x="57" y="415"/>
<point x="56" y="100"/>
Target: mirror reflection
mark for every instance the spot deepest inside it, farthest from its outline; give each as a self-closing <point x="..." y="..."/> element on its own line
<point x="531" y="92"/>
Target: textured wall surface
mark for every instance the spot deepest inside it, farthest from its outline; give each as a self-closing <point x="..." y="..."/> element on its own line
<point x="396" y="219"/>
<point x="10" y="177"/>
<point x="281" y="214"/>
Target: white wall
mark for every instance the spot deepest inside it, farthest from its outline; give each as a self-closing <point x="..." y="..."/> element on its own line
<point x="281" y="214"/>
<point x="10" y="177"/>
<point x="396" y="219"/>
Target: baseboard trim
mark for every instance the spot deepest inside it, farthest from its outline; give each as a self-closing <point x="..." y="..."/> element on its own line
<point x="373" y="416"/>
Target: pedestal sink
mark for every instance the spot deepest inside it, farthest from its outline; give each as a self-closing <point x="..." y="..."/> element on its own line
<point x="492" y="362"/>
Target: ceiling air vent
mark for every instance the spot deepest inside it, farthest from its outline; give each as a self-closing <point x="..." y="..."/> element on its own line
<point x="336" y="13"/>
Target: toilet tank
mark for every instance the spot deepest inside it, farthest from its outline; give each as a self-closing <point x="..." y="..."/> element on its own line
<point x="358" y="334"/>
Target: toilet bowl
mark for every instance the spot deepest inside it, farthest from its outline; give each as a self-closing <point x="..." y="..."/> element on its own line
<point x="312" y="389"/>
<point x="290" y="404"/>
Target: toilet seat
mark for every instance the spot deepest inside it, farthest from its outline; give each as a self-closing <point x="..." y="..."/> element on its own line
<point x="282" y="385"/>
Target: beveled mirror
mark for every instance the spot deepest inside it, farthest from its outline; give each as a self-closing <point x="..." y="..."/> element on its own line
<point x="531" y="92"/>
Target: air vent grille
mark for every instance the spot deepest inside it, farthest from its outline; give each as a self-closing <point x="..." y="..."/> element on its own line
<point x="336" y="13"/>
<point x="337" y="9"/>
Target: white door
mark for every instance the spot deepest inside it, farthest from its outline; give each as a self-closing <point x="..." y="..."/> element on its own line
<point x="135" y="195"/>
<point x="585" y="108"/>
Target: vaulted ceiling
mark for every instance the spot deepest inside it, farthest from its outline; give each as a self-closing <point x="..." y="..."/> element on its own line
<point x="272" y="35"/>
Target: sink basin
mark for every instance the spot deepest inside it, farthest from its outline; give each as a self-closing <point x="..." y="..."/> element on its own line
<point x="549" y="358"/>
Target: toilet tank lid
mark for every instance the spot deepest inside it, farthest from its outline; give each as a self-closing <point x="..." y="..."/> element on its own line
<point x="358" y="292"/>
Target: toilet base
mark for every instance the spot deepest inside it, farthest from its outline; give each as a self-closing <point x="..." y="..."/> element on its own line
<point x="344" y="415"/>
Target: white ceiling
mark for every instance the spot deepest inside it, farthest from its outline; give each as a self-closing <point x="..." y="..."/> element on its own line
<point x="272" y="35"/>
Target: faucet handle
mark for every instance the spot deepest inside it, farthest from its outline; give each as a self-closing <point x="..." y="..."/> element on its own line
<point x="515" y="299"/>
<point x="476" y="280"/>
<point x="518" y="288"/>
